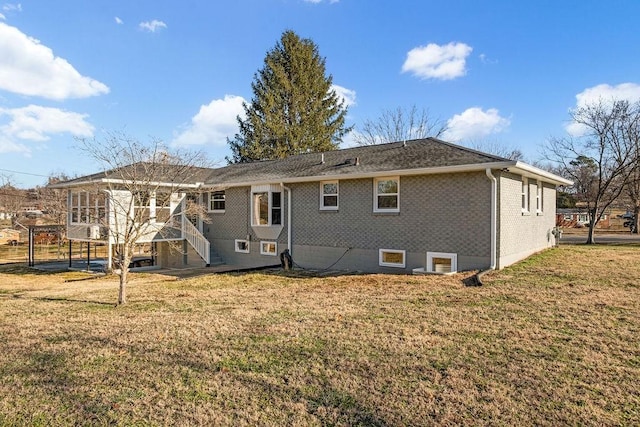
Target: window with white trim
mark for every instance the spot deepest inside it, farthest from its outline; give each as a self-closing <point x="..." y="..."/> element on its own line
<point x="163" y="206"/>
<point x="217" y="201"/>
<point x="141" y="206"/>
<point x="242" y="246"/>
<point x="391" y="258"/>
<point x="539" y="197"/>
<point x="386" y="194"/>
<point x="525" y="195"/>
<point x="266" y="208"/>
<point x="88" y="207"/>
<point x="268" y="248"/>
<point x="442" y="262"/>
<point x="329" y="195"/>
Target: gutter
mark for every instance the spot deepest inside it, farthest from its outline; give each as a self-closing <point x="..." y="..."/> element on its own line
<point x="494" y="217"/>
<point x="288" y="190"/>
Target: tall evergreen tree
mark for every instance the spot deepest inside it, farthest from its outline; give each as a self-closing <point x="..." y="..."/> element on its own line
<point x="294" y="108"/>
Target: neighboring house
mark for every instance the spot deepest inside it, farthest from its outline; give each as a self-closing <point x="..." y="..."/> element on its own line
<point x="8" y="236"/>
<point x="423" y="205"/>
<point x="578" y="218"/>
<point x="5" y="215"/>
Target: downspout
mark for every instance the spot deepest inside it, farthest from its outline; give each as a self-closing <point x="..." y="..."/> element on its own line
<point x="494" y="216"/>
<point x="288" y="190"/>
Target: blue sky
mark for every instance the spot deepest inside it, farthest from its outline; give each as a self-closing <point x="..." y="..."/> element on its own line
<point x="506" y="72"/>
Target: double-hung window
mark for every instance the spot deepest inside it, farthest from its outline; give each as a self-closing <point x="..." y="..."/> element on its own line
<point x="386" y="194"/>
<point x="217" y="201"/>
<point x="525" y="195"/>
<point x="329" y="195"/>
<point x="267" y="208"/>
<point x="539" y="198"/>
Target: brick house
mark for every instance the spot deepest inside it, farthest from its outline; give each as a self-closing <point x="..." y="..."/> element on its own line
<point x="578" y="218"/>
<point x="421" y="205"/>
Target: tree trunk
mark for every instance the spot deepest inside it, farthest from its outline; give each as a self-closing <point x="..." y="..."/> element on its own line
<point x="593" y="220"/>
<point x="636" y="218"/>
<point x="590" y="240"/>
<point x="122" y="292"/>
<point x="125" y="260"/>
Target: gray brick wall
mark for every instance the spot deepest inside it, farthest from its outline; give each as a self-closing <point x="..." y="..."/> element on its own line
<point x="522" y="234"/>
<point x="438" y="213"/>
<point x="441" y="213"/>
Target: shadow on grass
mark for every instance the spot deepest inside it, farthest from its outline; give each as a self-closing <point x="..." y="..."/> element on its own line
<point x="52" y="299"/>
<point x="22" y="269"/>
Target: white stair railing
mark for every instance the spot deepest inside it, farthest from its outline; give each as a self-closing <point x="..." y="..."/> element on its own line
<point x="196" y="239"/>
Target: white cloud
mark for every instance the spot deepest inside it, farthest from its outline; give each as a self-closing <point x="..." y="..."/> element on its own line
<point x="37" y="124"/>
<point x="213" y="123"/>
<point x="29" y="68"/>
<point x="152" y="26"/>
<point x="9" y="146"/>
<point x="602" y="93"/>
<point x="437" y="62"/>
<point x="348" y="95"/>
<point x="2" y="17"/>
<point x="9" y="7"/>
<point x="118" y="21"/>
<point x="349" y="140"/>
<point x="475" y="123"/>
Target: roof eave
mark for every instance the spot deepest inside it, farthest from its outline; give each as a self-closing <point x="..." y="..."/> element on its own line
<point x="397" y="172"/>
<point x="108" y="181"/>
<point x="534" y="172"/>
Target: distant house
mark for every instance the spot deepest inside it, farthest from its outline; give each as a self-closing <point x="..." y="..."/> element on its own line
<point x="578" y="218"/>
<point x="421" y="205"/>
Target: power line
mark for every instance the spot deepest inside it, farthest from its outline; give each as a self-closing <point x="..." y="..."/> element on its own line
<point x="23" y="173"/>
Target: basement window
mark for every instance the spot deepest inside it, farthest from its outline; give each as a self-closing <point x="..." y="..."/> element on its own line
<point x="268" y="248"/>
<point x="391" y="258"/>
<point x="441" y="262"/>
<point x="242" y="246"/>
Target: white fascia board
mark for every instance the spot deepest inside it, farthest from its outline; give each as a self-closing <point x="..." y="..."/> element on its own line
<point x="403" y="172"/>
<point x="152" y="183"/>
<point x="537" y="173"/>
<point x="122" y="181"/>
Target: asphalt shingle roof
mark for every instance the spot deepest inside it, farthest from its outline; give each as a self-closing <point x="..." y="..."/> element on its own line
<point x="413" y="154"/>
<point x="396" y="156"/>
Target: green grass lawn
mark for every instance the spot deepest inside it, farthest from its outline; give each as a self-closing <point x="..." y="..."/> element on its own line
<point x="553" y="340"/>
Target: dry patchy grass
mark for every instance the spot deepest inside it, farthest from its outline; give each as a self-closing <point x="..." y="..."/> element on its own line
<point x="552" y="340"/>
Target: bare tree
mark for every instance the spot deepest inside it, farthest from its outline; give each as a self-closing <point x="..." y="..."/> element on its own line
<point x="400" y="124"/>
<point x="496" y="148"/>
<point x="134" y="173"/>
<point x="12" y="198"/>
<point x="53" y="201"/>
<point x="633" y="184"/>
<point x="600" y="160"/>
